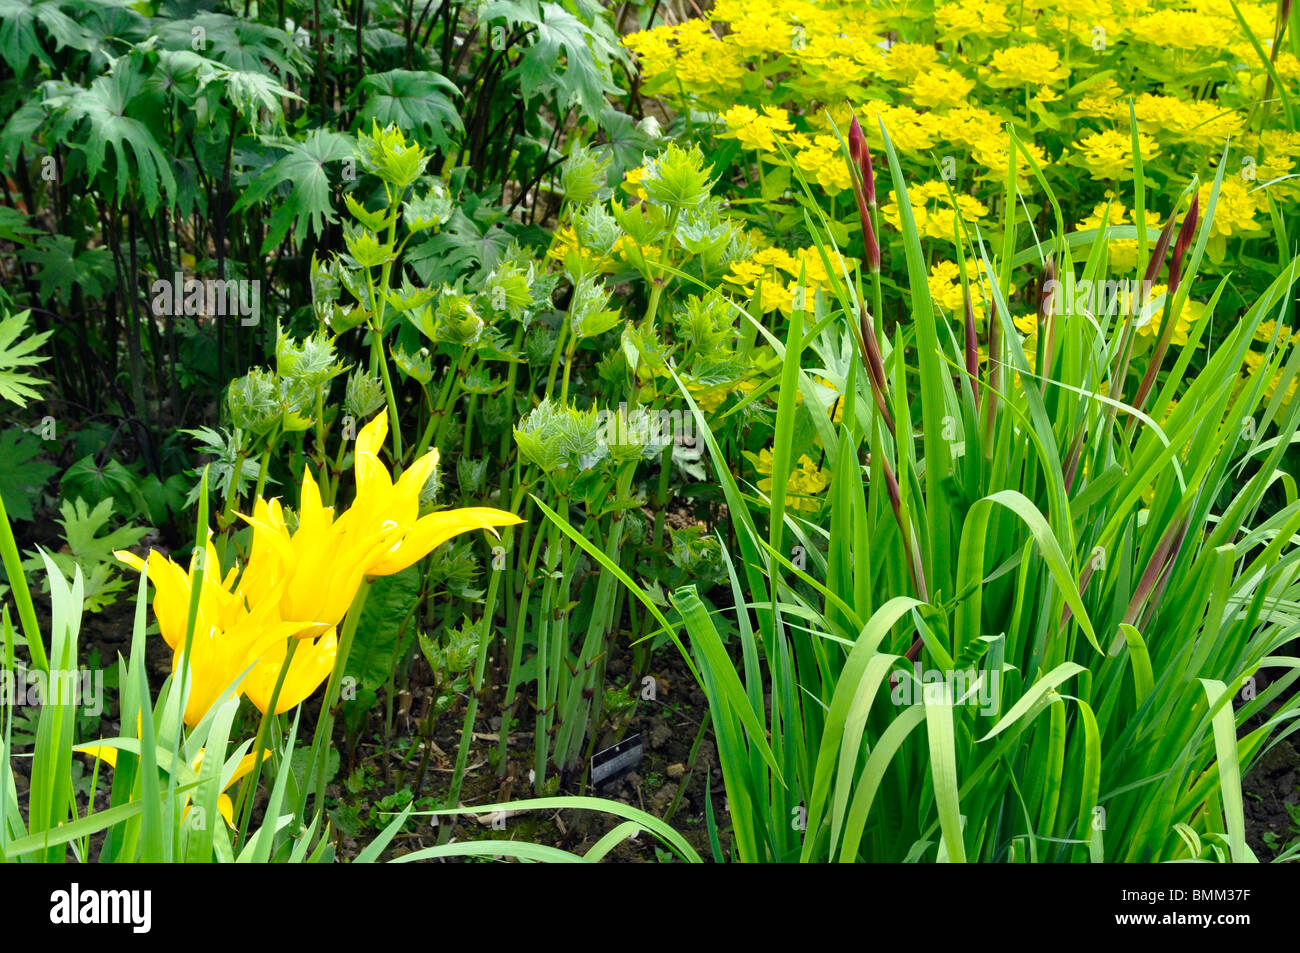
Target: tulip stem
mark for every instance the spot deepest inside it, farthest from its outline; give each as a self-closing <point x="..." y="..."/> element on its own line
<point x="517" y="638"/>
<point x="232" y="491"/>
<point x="325" y="723"/>
<point x="266" y="463"/>
<point x="248" y="788"/>
<point x="451" y="389"/>
<point x="377" y="357"/>
<point x="476" y="684"/>
<point x="555" y="356"/>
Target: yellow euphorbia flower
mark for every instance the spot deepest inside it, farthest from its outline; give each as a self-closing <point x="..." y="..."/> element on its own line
<point x="807" y="480"/>
<point x="1109" y="153"/>
<point x="1030" y="64"/>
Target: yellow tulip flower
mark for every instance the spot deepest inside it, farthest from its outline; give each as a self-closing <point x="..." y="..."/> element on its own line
<point x="313" y="660"/>
<point x="299" y="584"/>
<point x="323" y="562"/>
<point x="228" y="639"/>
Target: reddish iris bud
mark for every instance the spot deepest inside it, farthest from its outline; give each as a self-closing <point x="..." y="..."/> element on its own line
<point x="1047" y="291"/>
<point x="873" y="248"/>
<point x="864" y="190"/>
<point x="972" y="342"/>
<point x="862" y="156"/>
<point x="1184" y="241"/>
<point x="875" y="366"/>
<point x="1157" y="257"/>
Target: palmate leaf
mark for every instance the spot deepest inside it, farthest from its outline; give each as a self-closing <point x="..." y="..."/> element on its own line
<point x="22" y="129"/>
<point x="102" y="119"/>
<point x="22" y="475"/>
<point x="90" y="549"/>
<point x="14" y="227"/>
<point x="477" y="239"/>
<point x="110" y="27"/>
<point x="59" y="267"/>
<point x="86" y="479"/>
<point x="16" y="355"/>
<point x="415" y="102"/>
<point x="242" y="45"/>
<point x="587" y="52"/>
<point x="248" y="91"/>
<point x="22" y="24"/>
<point x="302" y="168"/>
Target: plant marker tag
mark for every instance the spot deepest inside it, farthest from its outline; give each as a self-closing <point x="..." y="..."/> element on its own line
<point x="616" y="761"/>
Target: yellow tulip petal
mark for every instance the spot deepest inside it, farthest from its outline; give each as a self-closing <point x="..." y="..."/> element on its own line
<point x="102" y="752"/>
<point x="430" y="532"/>
<point x="226" y="809"/>
<point x="245" y="765"/>
<point x="131" y="559"/>
<point x="372" y="435"/>
<point x="312" y="663"/>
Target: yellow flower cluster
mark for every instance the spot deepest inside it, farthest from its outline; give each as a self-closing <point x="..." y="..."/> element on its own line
<point x="945" y="290"/>
<point x="1032" y="64"/>
<point x="940" y="86"/>
<point x="1123" y="251"/>
<point x="978" y="18"/>
<point x="1109" y="153"/>
<point x="934" y="211"/>
<point x="773" y="274"/>
<point x="1255" y="364"/>
<point x="1235" y="210"/>
<point x="1170" y="117"/>
<point x="1148" y="322"/>
<point x="757" y="130"/>
<point x="692" y="54"/>
<point x="806" y="482"/>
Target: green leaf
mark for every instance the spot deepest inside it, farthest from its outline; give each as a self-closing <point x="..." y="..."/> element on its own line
<point x="307" y="206"/>
<point x="22" y="475"/>
<point x="16" y="353"/>
<point x="377" y="646"/>
<point x="105" y="123"/>
<point x="90" y="552"/>
<point x="21" y="40"/>
<point x="413" y="101"/>
<point x="60" y="267"/>
<point x="88" y="480"/>
<point x="239" y="43"/>
<point x="587" y="53"/>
